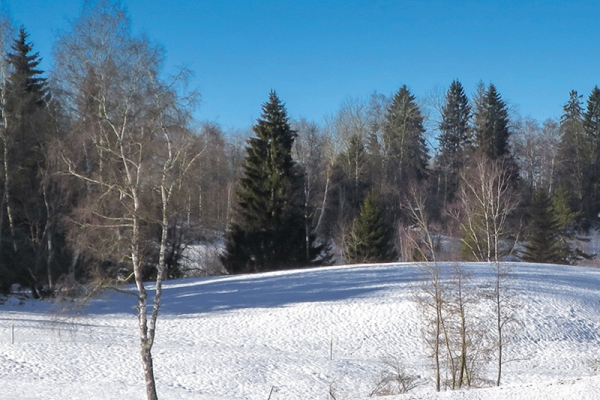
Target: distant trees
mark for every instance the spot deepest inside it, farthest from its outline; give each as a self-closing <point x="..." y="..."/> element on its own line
<point x="269" y="229"/>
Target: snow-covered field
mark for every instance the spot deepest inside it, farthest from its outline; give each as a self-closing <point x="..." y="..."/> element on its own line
<point x="248" y="337"/>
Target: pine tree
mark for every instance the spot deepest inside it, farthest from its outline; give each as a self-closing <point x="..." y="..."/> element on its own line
<point x="268" y="231"/>
<point x="371" y="237"/>
<point x="543" y="240"/>
<point x="454" y="140"/>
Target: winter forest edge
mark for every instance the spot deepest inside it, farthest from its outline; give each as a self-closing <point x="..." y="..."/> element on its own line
<point x="106" y="180"/>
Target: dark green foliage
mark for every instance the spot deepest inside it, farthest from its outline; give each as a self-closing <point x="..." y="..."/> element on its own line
<point x="491" y="128"/>
<point x="269" y="231"/>
<point x="574" y="151"/>
<point x="454" y="141"/>
<point x="29" y="197"/>
<point x="591" y="121"/>
<point x="591" y="171"/>
<point x="491" y="125"/>
<point x="404" y="141"/>
<point x="565" y="216"/>
<point x="543" y="240"/>
<point x="371" y="237"/>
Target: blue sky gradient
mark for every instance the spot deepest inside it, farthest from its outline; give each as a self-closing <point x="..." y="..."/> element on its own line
<point x="317" y="54"/>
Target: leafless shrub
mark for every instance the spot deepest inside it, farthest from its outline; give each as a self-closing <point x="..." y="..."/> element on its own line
<point x="394" y="379"/>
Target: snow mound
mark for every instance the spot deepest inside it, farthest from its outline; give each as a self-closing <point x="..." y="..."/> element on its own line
<point x="299" y="334"/>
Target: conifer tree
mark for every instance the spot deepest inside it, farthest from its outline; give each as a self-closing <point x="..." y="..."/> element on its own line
<point x="491" y="129"/>
<point x="25" y="125"/>
<point x="371" y="237"/>
<point x="268" y="231"/>
<point x="574" y="151"/>
<point x="543" y="240"/>
<point x="405" y="155"/>
<point x="454" y="140"/>
<point x="591" y="125"/>
<point x="404" y="141"/>
<point x="491" y="124"/>
<point x="565" y="216"/>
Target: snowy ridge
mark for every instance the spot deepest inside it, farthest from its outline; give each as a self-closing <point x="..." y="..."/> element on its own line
<point x="239" y="337"/>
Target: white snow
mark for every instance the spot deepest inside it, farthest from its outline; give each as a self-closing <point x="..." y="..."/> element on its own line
<point x="239" y="337"/>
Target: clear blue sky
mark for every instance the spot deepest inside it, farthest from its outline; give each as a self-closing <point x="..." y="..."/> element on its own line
<point x="316" y="54"/>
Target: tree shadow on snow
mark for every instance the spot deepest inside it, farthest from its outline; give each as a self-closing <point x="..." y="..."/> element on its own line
<point x="269" y="290"/>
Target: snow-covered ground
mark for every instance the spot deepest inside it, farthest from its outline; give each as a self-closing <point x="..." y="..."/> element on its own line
<point x="248" y="337"/>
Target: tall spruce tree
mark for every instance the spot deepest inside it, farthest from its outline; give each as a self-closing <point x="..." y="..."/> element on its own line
<point x="492" y="124"/>
<point x="404" y="141"/>
<point x="26" y="123"/>
<point x="574" y="152"/>
<point x="454" y="140"/>
<point x="491" y="129"/>
<point x="268" y="232"/>
<point x="543" y="240"/>
<point x="371" y="236"/>
<point x="591" y="125"/>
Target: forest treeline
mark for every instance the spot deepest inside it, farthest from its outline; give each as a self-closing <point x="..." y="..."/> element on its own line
<point x="105" y="174"/>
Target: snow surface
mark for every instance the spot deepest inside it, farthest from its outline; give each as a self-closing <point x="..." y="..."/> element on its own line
<point x="241" y="337"/>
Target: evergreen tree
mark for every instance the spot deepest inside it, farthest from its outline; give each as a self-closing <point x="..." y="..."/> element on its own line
<point x="268" y="231"/>
<point x="454" y="140"/>
<point x="565" y="216"/>
<point x="371" y="237"/>
<point x="404" y="141"/>
<point x="543" y="240"/>
<point x="591" y="125"/>
<point x="491" y="124"/>
<point x="566" y="219"/>
<point x="25" y="129"/>
<point x="573" y="152"/>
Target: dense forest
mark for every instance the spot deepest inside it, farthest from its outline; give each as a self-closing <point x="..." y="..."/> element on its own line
<point x="107" y="177"/>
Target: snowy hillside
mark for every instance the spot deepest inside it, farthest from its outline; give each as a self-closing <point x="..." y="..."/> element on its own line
<point x="245" y="337"/>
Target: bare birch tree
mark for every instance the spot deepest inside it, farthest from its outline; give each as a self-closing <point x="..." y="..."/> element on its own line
<point x="432" y="293"/>
<point x="127" y="147"/>
<point x="486" y="200"/>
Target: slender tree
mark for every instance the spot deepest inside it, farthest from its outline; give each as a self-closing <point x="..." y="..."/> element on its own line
<point x="127" y="151"/>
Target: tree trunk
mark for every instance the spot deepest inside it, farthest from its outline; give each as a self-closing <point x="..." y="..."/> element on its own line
<point x="148" y="370"/>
